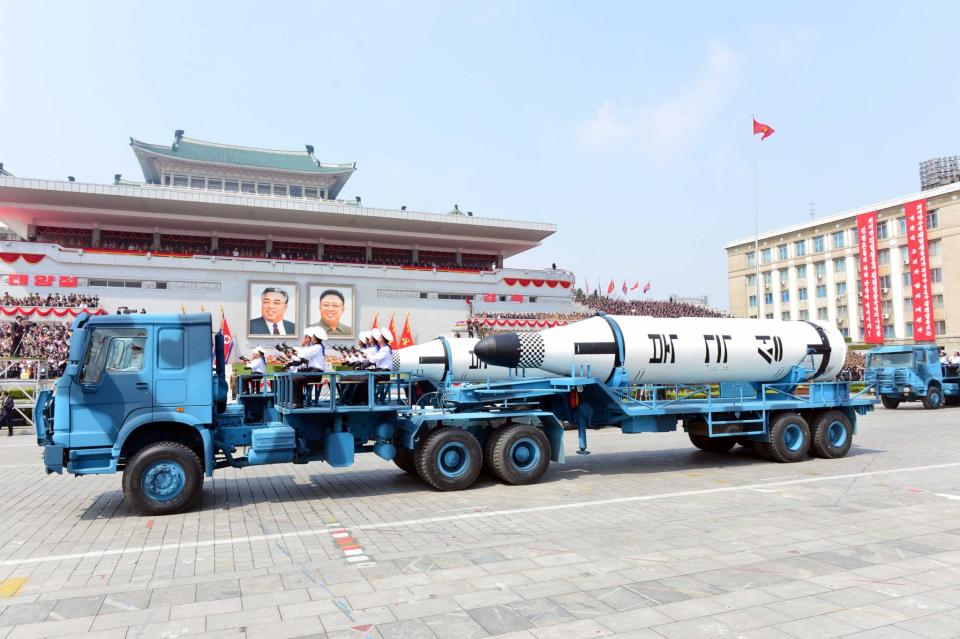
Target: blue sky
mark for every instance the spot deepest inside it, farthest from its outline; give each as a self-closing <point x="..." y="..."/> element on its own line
<point x="625" y="123"/>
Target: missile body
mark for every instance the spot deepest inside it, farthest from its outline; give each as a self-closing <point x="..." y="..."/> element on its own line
<point x="455" y="355"/>
<point x="674" y="351"/>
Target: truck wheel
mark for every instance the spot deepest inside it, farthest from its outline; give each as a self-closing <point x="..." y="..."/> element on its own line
<point x="712" y="444"/>
<point x="162" y="479"/>
<point x="934" y="398"/>
<point x="889" y="402"/>
<point x="449" y="459"/>
<point x="518" y="454"/>
<point x="789" y="438"/>
<point x="831" y="435"/>
<point x="404" y="461"/>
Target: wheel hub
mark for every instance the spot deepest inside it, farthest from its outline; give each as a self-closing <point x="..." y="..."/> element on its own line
<point x="163" y="480"/>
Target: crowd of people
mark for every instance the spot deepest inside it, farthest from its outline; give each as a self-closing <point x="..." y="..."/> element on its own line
<point x="57" y="300"/>
<point x="653" y="308"/>
<point x="46" y="342"/>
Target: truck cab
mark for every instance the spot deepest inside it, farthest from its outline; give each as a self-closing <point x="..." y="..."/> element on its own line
<point x="910" y="373"/>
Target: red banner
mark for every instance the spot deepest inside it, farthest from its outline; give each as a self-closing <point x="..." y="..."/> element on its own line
<point x="490" y="321"/>
<point x="869" y="286"/>
<point x="489" y="297"/>
<point x="45" y="311"/>
<point x="23" y="279"/>
<point x="923" y="327"/>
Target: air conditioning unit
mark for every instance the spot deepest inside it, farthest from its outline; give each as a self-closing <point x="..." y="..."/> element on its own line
<point x="885" y="316"/>
<point x="819" y="278"/>
<point x="766" y="287"/>
<point x="841" y="322"/>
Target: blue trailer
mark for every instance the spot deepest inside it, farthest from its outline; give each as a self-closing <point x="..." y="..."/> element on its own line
<point x="146" y="395"/>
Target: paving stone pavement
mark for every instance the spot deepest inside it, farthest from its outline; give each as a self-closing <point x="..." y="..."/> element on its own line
<point x="646" y="537"/>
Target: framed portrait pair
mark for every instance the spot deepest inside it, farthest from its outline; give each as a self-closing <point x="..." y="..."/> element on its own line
<point x="273" y="309"/>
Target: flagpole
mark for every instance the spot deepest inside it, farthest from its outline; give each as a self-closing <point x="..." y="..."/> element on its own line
<point x="756" y="222"/>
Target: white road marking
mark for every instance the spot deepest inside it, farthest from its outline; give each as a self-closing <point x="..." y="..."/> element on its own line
<point x="947" y="495"/>
<point x="477" y="515"/>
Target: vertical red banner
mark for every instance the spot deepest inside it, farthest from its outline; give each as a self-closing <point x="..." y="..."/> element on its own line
<point x="869" y="285"/>
<point x="923" y="326"/>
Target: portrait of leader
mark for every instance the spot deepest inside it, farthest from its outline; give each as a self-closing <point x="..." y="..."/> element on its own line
<point x="332" y="307"/>
<point x="272" y="309"/>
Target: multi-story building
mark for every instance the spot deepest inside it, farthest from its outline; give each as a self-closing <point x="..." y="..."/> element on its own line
<point x="811" y="271"/>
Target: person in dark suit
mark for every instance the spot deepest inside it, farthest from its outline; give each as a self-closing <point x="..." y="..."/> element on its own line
<point x="6" y="413"/>
<point x="273" y="306"/>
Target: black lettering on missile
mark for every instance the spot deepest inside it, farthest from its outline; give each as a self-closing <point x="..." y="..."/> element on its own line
<point x="720" y="342"/>
<point x="664" y="351"/>
<point x="772" y="352"/>
<point x="595" y="348"/>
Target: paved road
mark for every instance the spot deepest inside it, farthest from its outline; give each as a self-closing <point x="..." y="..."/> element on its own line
<point x="646" y="537"/>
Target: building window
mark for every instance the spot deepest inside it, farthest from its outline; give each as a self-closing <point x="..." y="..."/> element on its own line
<point x="840" y="265"/>
<point x="231" y="186"/>
<point x="884" y="281"/>
<point x="908" y="305"/>
<point x="800" y="248"/>
<point x="263" y="189"/>
<point x="310" y="193"/>
<point x="785" y="316"/>
<point x="822" y="290"/>
<point x="909" y="329"/>
<point x="280" y="190"/>
<point x="938" y="301"/>
<point x="841" y="288"/>
<point x="940" y="327"/>
<point x="181" y="181"/>
<point x="765" y="256"/>
<point x="936" y="275"/>
<point x="904" y="254"/>
<point x="882" y="230"/>
<point x="753" y="300"/>
<point x="888" y="330"/>
<point x="769" y="315"/>
<point x="248" y="187"/>
<point x="782" y="252"/>
<point x="820" y="269"/>
<point x="198" y="183"/>
<point x="906" y="279"/>
<point x="751" y="258"/>
<point x="804" y="315"/>
<point x="933" y="248"/>
<point x="841" y="312"/>
<point x="902" y="226"/>
<point x="214" y="184"/>
<point x="768" y="298"/>
<point x="766" y="278"/>
<point x="838" y="240"/>
<point x="821" y="313"/>
<point x="886" y="307"/>
<point x="802" y="293"/>
<point x="784" y="296"/>
<point x="296" y="191"/>
<point x="845" y="331"/>
<point x="932" y="221"/>
<point x="883" y="257"/>
<point x="751" y="281"/>
<point x="784" y="276"/>
<point x="818" y="244"/>
<point x="166" y="180"/>
<point x="802" y="272"/>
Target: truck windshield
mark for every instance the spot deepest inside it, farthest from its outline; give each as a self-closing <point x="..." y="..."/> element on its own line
<point x="118" y="350"/>
<point x="884" y="360"/>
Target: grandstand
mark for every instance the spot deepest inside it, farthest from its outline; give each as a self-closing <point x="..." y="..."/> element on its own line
<point x="212" y="226"/>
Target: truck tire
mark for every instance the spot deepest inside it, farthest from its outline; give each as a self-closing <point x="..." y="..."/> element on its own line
<point x="712" y="444"/>
<point x="831" y="435"/>
<point x="934" y="397"/>
<point x="449" y="458"/>
<point x="405" y="462"/>
<point x="889" y="402"/>
<point x="789" y="438"/>
<point x="162" y="479"/>
<point x="518" y="454"/>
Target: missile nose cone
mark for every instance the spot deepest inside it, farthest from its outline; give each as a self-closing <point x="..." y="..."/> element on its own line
<point x="499" y="350"/>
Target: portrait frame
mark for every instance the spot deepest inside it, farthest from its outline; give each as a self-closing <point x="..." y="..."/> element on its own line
<point x="256" y="324"/>
<point x="347" y="318"/>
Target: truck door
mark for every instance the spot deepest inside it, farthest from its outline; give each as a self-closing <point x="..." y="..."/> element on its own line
<point x="114" y="384"/>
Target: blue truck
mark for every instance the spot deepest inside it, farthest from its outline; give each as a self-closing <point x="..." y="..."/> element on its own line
<point x="146" y="395"/>
<point x="909" y="373"/>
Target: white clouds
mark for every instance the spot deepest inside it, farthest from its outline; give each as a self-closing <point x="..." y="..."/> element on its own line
<point x="674" y="124"/>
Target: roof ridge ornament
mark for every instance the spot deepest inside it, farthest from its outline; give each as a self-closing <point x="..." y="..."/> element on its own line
<point x="177" y="136"/>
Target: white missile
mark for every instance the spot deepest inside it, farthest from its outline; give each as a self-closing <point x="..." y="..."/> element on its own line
<point x="454" y="355"/>
<point x="672" y="351"/>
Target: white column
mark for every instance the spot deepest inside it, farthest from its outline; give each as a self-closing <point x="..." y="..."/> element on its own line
<point x="811" y="284"/>
<point x="853" y="300"/>
<point x="794" y="302"/>
<point x="831" y="293"/>
<point x="896" y="290"/>
<point x="775" y="287"/>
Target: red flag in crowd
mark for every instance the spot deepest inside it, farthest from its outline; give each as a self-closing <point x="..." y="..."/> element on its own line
<point x="765" y="129"/>
<point x="646" y="287"/>
<point x="611" y="287"/>
<point x="635" y="286"/>
<point x="624" y="287"/>
<point x="376" y="316"/>
<point x="406" y="336"/>
<point x="394" y="343"/>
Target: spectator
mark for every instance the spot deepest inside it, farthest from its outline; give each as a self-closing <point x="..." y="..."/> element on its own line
<point x="55" y="300"/>
<point x="46" y="342"/>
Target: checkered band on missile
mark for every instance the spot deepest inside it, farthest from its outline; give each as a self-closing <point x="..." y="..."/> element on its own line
<point x="433" y="360"/>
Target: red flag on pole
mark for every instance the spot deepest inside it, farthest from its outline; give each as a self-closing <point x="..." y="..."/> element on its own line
<point x="394" y="343"/>
<point x="646" y="287"/>
<point x="406" y="336"/>
<point x="376" y="316"/>
<point x="227" y="337"/>
<point x="624" y="287"/>
<point x="611" y="287"/>
<point x="635" y="286"/>
<point x="765" y="129"/>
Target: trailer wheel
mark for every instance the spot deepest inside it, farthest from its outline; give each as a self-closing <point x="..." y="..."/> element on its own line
<point x="162" y="479"/>
<point x="889" y="402"/>
<point x="712" y="444"/>
<point x="449" y="459"/>
<point x="789" y="438"/>
<point x="404" y="461"/>
<point x="831" y="435"/>
<point x="934" y="398"/>
<point x="518" y="454"/>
